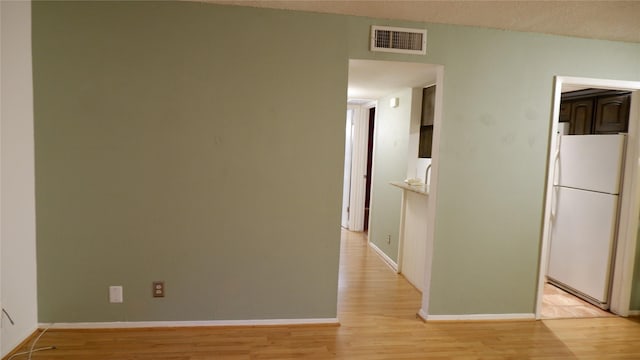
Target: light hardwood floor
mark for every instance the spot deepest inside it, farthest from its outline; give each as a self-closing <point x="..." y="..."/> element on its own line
<point x="559" y="304"/>
<point x="377" y="314"/>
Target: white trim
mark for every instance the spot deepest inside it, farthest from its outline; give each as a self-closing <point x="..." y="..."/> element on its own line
<point x="422" y="315"/>
<point x="369" y="105"/>
<point x="206" y="323"/>
<point x="622" y="281"/>
<point x="433" y="190"/>
<point x="348" y="167"/>
<point x="384" y="257"/>
<point x="600" y="83"/>
<point x="478" y="317"/>
<point x="358" y="167"/>
<point x="634" y="312"/>
<point x="545" y="243"/>
<point x="630" y="209"/>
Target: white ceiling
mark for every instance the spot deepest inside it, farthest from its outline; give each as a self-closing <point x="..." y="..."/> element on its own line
<point x="370" y="79"/>
<point x="573" y="87"/>
<point x="608" y="20"/>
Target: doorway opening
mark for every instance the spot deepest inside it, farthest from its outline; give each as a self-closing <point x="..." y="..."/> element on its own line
<point x="358" y="161"/>
<point x="590" y="223"/>
<point x="386" y="98"/>
<point x="367" y="189"/>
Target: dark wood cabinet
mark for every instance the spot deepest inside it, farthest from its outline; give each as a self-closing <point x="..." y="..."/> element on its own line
<point x="565" y="111"/>
<point x="612" y="114"/>
<point x="594" y="111"/>
<point x="426" y="123"/>
<point x="426" y="141"/>
<point x="428" y="105"/>
<point x="581" y="117"/>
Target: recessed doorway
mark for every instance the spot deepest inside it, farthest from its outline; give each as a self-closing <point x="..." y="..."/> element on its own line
<point x="556" y="297"/>
<point x="390" y="95"/>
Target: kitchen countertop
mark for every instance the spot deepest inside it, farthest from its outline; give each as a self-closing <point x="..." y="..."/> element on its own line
<point x="420" y="189"/>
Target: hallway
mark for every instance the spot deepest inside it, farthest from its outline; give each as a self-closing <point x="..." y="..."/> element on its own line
<point x="376" y="309"/>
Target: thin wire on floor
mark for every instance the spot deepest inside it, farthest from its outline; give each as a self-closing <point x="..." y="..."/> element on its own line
<point x="33" y="345"/>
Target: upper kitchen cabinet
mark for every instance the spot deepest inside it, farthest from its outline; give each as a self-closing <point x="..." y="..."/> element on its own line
<point x="594" y="111"/>
<point x="581" y="120"/>
<point x="426" y="122"/>
<point x="428" y="105"/>
<point x="565" y="111"/>
<point x="612" y="114"/>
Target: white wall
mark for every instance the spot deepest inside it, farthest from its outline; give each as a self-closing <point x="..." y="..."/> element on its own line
<point x="17" y="239"/>
<point x="415" y="211"/>
<point x="390" y="151"/>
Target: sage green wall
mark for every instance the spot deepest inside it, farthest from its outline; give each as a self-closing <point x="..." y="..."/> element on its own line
<point x="191" y="143"/>
<point x="202" y="145"/>
<point x="390" y="158"/>
<point x="494" y="160"/>
<point x="493" y="154"/>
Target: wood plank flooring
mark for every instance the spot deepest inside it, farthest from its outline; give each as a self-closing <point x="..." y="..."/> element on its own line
<point x="559" y="304"/>
<point x="377" y="313"/>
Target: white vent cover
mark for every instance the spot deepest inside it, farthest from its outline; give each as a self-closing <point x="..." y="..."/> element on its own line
<point x="399" y="40"/>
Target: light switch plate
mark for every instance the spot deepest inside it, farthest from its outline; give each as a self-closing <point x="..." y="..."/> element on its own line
<point x="115" y="294"/>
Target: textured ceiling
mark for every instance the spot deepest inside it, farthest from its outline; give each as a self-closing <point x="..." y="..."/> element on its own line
<point x="608" y="20"/>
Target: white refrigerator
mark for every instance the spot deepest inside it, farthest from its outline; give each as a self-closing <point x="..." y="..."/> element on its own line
<point x="584" y="216"/>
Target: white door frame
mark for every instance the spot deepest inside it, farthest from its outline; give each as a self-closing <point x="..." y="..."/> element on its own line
<point x="433" y="191"/>
<point x="359" y="164"/>
<point x="630" y="201"/>
<point x="348" y="167"/>
<point x="363" y="141"/>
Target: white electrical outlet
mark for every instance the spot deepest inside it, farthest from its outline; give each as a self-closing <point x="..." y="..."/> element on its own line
<point x="115" y="294"/>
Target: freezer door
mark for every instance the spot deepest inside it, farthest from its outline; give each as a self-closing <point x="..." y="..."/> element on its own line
<point x="591" y="162"/>
<point x="582" y="239"/>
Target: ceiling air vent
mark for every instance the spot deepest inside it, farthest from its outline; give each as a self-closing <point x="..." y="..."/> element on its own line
<point x="399" y="40"/>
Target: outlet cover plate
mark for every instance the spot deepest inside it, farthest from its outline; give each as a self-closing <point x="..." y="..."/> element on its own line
<point x="158" y="289"/>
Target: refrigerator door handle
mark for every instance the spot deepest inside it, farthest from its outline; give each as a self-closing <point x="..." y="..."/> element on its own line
<point x="556" y="160"/>
<point x="556" y="178"/>
<point x="554" y="202"/>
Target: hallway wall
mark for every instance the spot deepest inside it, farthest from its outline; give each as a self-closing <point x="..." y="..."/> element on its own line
<point x="389" y="164"/>
<point x="17" y="204"/>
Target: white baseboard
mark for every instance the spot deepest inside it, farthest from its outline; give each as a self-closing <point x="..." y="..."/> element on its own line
<point x="423" y="315"/>
<point x="384" y="257"/>
<point x="207" y="323"/>
<point x="476" y="317"/>
<point x="634" y="312"/>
